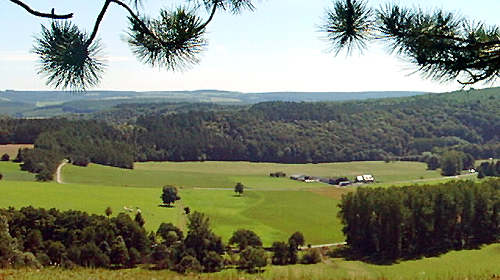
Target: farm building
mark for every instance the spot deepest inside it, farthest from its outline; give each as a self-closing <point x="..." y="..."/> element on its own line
<point x="365" y="178"/>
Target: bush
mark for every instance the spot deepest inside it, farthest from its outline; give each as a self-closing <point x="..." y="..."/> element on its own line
<point x="43" y="259"/>
<point x="213" y="262"/>
<point x="82" y="161"/>
<point x="189" y="264"/>
<point x="245" y="238"/>
<point x="252" y="259"/>
<point x="5" y="157"/>
<point x="280" y="253"/>
<point x="312" y="256"/>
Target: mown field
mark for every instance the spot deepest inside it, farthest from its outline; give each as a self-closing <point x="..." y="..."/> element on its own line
<point x="274" y="208"/>
<point x="467" y="264"/>
<point x="253" y="175"/>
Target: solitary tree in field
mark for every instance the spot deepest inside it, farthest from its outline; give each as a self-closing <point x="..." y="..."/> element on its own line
<point x="441" y="44"/>
<point x="69" y="56"/>
<point x="169" y="195"/>
<point x="108" y="211"/>
<point x="239" y="188"/>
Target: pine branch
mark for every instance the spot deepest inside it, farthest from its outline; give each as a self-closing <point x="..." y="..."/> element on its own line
<point x="98" y="22"/>
<point x="52" y="15"/>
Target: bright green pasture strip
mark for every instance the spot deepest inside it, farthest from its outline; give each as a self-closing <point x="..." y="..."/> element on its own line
<point x="383" y="172"/>
<point x="92" y="199"/>
<point x="226" y="211"/>
<point x="12" y="172"/>
<point x="273" y="215"/>
<point x="458" y="264"/>
<point x="261" y="211"/>
<point x="99" y="174"/>
<point x="227" y="174"/>
<point x="473" y="265"/>
<point x="289" y="211"/>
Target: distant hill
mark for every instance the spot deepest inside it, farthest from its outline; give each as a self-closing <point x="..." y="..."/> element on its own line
<point x="41" y="104"/>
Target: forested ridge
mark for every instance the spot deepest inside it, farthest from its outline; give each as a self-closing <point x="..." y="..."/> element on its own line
<point x="288" y="132"/>
<point x="326" y="132"/>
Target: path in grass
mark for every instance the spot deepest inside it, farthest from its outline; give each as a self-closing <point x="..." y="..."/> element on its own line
<point x="58" y="172"/>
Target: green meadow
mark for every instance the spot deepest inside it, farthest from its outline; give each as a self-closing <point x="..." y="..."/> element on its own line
<point x="253" y="175"/>
<point x="272" y="207"/>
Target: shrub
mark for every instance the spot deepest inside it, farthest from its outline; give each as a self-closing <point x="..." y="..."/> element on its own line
<point x="189" y="264"/>
<point x="312" y="256"/>
<point x="43" y="259"/>
<point x="213" y="262"/>
<point x="280" y="253"/>
<point x="5" y="157"/>
<point x="252" y="259"/>
<point x="245" y="238"/>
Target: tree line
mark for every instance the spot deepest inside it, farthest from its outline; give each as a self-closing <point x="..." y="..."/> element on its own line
<point x="79" y="141"/>
<point x="31" y="237"/>
<point x="414" y="221"/>
<point x="291" y="132"/>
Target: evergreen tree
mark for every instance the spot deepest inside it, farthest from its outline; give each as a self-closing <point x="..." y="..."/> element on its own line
<point x="443" y="45"/>
<point x="70" y="58"/>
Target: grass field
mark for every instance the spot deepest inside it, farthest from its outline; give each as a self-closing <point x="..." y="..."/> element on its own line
<point x="273" y="208"/>
<point x="252" y="175"/>
<point x="12" y="149"/>
<point x="468" y="264"/>
<point x="12" y="172"/>
<point x="273" y="215"/>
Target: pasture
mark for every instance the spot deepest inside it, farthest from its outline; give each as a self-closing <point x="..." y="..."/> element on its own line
<point x="467" y="264"/>
<point x="253" y="175"/>
<point x="272" y="207"/>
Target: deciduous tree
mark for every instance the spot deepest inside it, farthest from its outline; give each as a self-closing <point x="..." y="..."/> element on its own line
<point x="169" y="195"/>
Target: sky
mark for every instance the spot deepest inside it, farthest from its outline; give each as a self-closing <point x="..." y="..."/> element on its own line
<point x="277" y="47"/>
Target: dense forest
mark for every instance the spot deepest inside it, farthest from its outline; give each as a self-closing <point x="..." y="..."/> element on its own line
<point x="325" y="132"/>
<point x="415" y="221"/>
<point x="80" y="141"/>
<point x="287" y="132"/>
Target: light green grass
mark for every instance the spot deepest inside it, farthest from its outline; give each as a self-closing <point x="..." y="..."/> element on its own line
<point x="252" y="175"/>
<point x="274" y="215"/>
<point x="472" y="265"/>
<point x="12" y="172"/>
